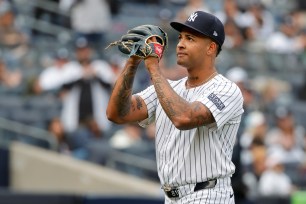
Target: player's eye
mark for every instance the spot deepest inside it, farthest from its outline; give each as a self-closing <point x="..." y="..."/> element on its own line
<point x="190" y="38"/>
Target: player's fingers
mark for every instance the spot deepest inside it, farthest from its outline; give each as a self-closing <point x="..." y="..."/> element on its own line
<point x="152" y="39"/>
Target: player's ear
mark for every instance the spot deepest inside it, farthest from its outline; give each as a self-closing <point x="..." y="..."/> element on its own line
<point x="212" y="48"/>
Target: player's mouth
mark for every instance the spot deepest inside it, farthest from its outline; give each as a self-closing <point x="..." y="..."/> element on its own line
<point x="181" y="54"/>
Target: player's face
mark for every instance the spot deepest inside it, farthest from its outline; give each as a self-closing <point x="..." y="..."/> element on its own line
<point x="192" y="49"/>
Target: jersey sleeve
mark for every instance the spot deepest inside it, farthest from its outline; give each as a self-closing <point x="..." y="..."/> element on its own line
<point x="150" y="98"/>
<point x="225" y="102"/>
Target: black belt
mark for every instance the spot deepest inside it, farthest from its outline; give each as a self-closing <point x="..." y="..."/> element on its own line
<point x="173" y="192"/>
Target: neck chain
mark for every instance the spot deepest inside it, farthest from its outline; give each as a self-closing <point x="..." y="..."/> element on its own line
<point x="206" y="80"/>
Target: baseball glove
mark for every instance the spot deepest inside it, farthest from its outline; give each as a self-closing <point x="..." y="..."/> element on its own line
<point x="135" y="42"/>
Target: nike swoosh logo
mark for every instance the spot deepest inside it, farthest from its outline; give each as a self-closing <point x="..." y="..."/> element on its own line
<point x="231" y="195"/>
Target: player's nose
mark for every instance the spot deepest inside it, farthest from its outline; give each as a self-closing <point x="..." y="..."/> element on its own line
<point x="181" y="44"/>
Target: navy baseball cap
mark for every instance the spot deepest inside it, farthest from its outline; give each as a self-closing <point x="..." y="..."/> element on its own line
<point x="204" y="23"/>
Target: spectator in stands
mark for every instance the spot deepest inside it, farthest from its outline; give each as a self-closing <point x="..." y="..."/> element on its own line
<point x="256" y="128"/>
<point x="235" y="22"/>
<point x="232" y="12"/>
<point x="127" y="138"/>
<point x="89" y="142"/>
<point x="287" y="138"/>
<point x="116" y="61"/>
<point x="255" y="169"/>
<point x="271" y="91"/>
<point x="288" y="38"/>
<point x="55" y="127"/>
<point x="274" y="182"/>
<point x="130" y="140"/>
<point x="11" y="36"/>
<point x="90" y="19"/>
<point x="98" y="148"/>
<point x="52" y="78"/>
<point x="262" y="22"/>
<point x="234" y="37"/>
<point x="87" y="89"/>
<point x="9" y="78"/>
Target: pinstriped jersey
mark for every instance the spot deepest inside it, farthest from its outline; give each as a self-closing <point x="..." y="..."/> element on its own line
<point x="202" y="153"/>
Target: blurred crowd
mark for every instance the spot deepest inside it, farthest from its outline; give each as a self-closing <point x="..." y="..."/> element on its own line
<point x="78" y="75"/>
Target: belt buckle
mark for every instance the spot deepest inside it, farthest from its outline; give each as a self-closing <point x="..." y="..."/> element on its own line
<point x="166" y="188"/>
<point x="171" y="192"/>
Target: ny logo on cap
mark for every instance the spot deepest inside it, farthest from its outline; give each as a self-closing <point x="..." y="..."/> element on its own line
<point x="215" y="33"/>
<point x="192" y="17"/>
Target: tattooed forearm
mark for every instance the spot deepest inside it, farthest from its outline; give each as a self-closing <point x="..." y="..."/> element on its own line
<point x="122" y="106"/>
<point x="125" y="92"/>
<point x="185" y="114"/>
<point x="172" y="104"/>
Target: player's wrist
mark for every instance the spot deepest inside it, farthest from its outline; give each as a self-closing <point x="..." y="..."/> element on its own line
<point x="134" y="60"/>
<point x="152" y="63"/>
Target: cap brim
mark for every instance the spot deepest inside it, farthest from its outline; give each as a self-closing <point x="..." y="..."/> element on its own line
<point x="180" y="26"/>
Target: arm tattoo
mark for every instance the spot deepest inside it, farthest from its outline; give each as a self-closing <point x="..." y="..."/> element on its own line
<point x="173" y="105"/>
<point x="125" y="91"/>
<point x="139" y="104"/>
<point x="203" y="118"/>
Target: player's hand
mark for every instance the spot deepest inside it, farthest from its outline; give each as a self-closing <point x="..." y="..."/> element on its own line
<point x="151" y="61"/>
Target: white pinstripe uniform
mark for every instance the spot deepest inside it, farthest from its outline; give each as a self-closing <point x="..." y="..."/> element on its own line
<point x="186" y="157"/>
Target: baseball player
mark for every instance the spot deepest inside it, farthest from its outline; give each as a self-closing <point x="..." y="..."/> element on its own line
<point x="197" y="117"/>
